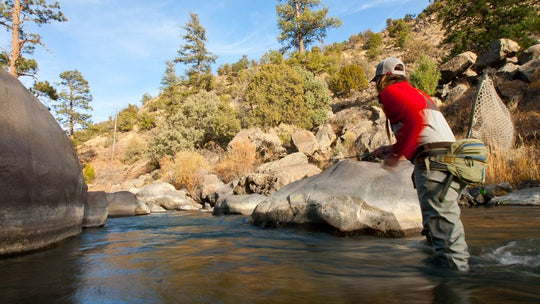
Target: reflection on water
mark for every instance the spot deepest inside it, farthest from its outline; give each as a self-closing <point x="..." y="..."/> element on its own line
<point x="197" y="258"/>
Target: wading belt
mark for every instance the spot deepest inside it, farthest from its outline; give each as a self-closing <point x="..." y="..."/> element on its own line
<point x="423" y="153"/>
<point x="421" y="160"/>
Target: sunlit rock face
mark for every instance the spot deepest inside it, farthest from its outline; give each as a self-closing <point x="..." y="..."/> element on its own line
<point x="349" y="197"/>
<point x="41" y="183"/>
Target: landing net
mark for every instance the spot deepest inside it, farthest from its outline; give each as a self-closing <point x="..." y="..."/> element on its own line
<point x="490" y="119"/>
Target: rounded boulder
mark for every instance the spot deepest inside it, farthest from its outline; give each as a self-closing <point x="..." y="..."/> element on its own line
<point x="41" y="181"/>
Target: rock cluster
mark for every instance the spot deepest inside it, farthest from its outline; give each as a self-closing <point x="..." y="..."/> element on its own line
<point x="512" y="74"/>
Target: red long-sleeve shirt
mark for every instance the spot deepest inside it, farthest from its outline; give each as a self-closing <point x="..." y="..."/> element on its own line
<point x="403" y="106"/>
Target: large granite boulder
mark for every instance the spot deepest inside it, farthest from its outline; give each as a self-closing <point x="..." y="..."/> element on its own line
<point x="457" y="66"/>
<point x="41" y="181"/>
<point x="456" y="92"/>
<point x="498" y="51"/>
<point x="124" y="203"/>
<point x="350" y="197"/>
<point x="96" y="209"/>
<point x="211" y="187"/>
<point x="529" y="54"/>
<point x="166" y="196"/>
<point x="272" y="176"/>
<point x="325" y="137"/>
<point x="304" y="141"/>
<point x="528" y="70"/>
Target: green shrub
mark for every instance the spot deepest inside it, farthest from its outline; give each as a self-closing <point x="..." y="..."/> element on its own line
<point x="89" y="173"/>
<point x="224" y="70"/>
<point x="127" y="118"/>
<point x="146" y="121"/>
<point x="224" y="125"/>
<point x="314" y="61"/>
<point x="474" y="25"/>
<point x="91" y="131"/>
<point x="317" y="97"/>
<point x="240" y="65"/>
<point x="134" y="150"/>
<point x="349" y="78"/>
<point x="205" y="82"/>
<point x="400" y="30"/>
<point x="373" y="44"/>
<point x="199" y="118"/>
<point x="426" y="75"/>
<point x="274" y="95"/>
<point x="272" y="57"/>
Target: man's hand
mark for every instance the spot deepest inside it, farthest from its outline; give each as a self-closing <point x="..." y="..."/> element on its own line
<point x="391" y="160"/>
<point x="385" y="153"/>
<point x="382" y="151"/>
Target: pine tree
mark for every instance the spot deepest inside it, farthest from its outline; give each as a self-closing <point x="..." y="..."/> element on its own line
<point x="13" y="16"/>
<point x="170" y="79"/>
<point x="300" y="26"/>
<point x="73" y="97"/>
<point x="194" y="50"/>
<point x="44" y="91"/>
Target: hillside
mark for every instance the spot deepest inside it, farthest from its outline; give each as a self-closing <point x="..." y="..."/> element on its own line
<point x="128" y="166"/>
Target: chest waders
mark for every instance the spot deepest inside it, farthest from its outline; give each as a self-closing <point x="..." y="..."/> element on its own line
<point x="438" y="192"/>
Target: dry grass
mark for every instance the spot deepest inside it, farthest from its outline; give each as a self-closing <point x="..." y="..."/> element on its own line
<point x="239" y="160"/>
<point x="514" y="165"/>
<point x="184" y="170"/>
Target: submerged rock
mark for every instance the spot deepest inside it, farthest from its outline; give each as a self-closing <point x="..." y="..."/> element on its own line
<point x="350" y="197"/>
<point x="41" y="181"/>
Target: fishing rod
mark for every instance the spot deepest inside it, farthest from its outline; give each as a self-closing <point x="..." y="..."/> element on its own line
<point x="357" y="156"/>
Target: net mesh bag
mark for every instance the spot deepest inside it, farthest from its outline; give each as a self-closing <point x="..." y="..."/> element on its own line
<point x="490" y="119"/>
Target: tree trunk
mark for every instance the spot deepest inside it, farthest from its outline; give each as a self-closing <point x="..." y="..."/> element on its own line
<point x="71" y="124"/>
<point x="299" y="36"/>
<point x="15" y="44"/>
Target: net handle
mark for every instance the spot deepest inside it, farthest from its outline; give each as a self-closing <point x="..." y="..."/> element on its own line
<point x="471" y="120"/>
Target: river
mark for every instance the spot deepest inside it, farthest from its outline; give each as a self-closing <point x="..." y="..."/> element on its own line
<point x="183" y="257"/>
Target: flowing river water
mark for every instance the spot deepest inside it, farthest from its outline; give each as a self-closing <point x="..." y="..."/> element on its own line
<point x="182" y="257"/>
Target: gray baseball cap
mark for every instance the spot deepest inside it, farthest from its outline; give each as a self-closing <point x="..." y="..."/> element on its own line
<point x="388" y="66"/>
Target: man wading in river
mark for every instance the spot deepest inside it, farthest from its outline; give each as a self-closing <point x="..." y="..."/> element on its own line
<point x="421" y="130"/>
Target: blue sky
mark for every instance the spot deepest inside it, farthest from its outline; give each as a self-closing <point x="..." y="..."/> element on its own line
<point x="120" y="46"/>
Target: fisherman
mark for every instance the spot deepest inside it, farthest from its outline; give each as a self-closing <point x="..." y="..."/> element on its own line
<point x="421" y="130"/>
